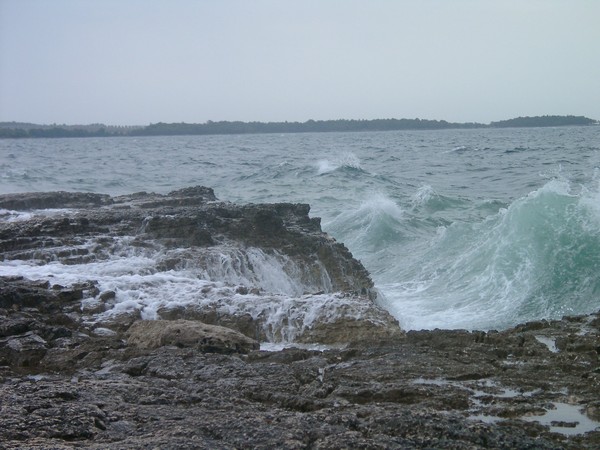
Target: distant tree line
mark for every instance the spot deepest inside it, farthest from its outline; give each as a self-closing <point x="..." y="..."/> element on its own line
<point x="310" y="126"/>
<point x="27" y="130"/>
<point x="543" y="121"/>
<point x="54" y="132"/>
<point x="32" y="130"/>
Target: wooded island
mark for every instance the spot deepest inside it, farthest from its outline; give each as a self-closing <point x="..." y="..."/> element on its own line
<point x="30" y="130"/>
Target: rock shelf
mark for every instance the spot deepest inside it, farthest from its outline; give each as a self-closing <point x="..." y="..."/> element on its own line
<point x="72" y="376"/>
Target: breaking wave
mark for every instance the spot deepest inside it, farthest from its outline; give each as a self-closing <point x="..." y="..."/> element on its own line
<point x="538" y="258"/>
<point x="347" y="161"/>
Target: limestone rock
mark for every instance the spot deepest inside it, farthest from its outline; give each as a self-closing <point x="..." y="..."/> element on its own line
<point x="349" y="329"/>
<point x="149" y="334"/>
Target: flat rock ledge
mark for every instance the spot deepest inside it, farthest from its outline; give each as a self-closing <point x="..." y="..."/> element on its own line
<point x="190" y="218"/>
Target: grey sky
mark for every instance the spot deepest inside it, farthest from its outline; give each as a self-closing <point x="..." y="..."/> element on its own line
<point x="145" y="61"/>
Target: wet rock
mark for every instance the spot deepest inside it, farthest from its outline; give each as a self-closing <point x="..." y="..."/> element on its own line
<point x="24" y="350"/>
<point x="428" y="389"/>
<point x="74" y="372"/>
<point x="186" y="218"/>
<point x="188" y="334"/>
<point x="336" y="324"/>
<point x="107" y="295"/>
<point x="46" y="200"/>
<point x="375" y="325"/>
<point x="10" y="326"/>
<point x="119" y="321"/>
<point x="17" y="292"/>
<point x="93" y="305"/>
<point x="243" y="323"/>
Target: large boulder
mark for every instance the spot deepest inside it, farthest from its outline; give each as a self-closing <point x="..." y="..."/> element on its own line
<point x="151" y="334"/>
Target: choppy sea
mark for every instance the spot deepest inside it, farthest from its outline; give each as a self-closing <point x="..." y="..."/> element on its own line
<point x="476" y="229"/>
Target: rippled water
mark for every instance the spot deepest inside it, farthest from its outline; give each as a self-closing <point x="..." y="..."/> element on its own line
<point x="459" y="228"/>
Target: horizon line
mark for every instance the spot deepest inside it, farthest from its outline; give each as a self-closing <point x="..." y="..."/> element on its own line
<point x="210" y="121"/>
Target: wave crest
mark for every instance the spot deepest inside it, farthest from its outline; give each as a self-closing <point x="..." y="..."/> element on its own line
<point x="346" y="161"/>
<point x="538" y="258"/>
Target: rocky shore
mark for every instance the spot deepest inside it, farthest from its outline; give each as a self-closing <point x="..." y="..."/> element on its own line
<point x="78" y="369"/>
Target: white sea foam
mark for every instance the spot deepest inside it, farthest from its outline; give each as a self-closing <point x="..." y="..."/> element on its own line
<point x="274" y="273"/>
<point x="269" y="287"/>
<point x="325" y="166"/>
<point x="7" y="215"/>
<point x="349" y="160"/>
<point x="376" y="207"/>
<point x="381" y="204"/>
<point x="372" y="226"/>
<point x="458" y="149"/>
<point x="423" y="195"/>
<point x="279" y="346"/>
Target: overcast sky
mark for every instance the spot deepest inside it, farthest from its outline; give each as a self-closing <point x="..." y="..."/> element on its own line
<point x="143" y="61"/>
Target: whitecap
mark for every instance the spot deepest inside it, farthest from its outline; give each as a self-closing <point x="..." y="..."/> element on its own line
<point x="325" y="166"/>
<point x="8" y="215"/>
<point x="346" y="160"/>
<point x="422" y="195"/>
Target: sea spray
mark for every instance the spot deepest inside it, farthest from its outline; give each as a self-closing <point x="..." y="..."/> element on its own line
<point x="539" y="258"/>
<point x="372" y="226"/>
<point x="348" y="161"/>
<point x="284" y="299"/>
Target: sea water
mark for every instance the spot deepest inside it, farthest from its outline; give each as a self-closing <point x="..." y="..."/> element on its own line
<point x="475" y="229"/>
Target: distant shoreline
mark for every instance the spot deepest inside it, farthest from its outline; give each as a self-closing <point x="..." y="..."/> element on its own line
<point x="17" y="130"/>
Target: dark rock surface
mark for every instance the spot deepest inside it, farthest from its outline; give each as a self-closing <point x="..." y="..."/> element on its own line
<point x="63" y="386"/>
<point x="190" y="227"/>
<point x="189" y="217"/>
<point x="67" y="381"/>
